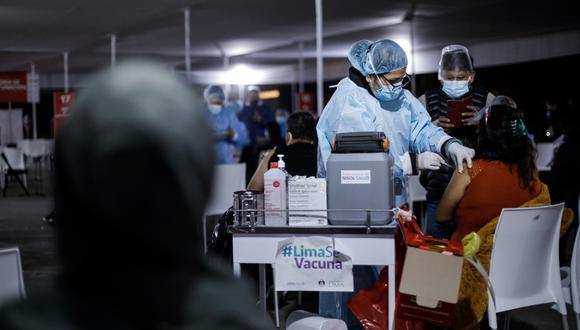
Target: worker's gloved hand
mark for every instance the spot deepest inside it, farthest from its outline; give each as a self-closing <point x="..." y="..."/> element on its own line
<point x="429" y="161"/>
<point x="460" y="154"/>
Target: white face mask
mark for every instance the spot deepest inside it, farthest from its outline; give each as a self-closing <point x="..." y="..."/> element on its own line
<point x="456" y="88"/>
<point x="214" y="109"/>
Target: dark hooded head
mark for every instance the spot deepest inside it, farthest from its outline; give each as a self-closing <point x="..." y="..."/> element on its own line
<point x="133" y="175"/>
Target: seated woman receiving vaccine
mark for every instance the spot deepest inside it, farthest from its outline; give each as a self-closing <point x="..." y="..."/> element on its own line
<point x="503" y="174"/>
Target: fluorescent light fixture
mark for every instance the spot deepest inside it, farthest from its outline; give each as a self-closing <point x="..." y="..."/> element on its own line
<point x="270" y="95"/>
<point x="242" y="74"/>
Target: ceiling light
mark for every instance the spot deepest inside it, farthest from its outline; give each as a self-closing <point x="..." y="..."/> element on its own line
<point x="270" y="95"/>
<point x="242" y="74"/>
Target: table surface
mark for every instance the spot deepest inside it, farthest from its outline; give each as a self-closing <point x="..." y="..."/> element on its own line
<point x="390" y="230"/>
<point x="355" y="241"/>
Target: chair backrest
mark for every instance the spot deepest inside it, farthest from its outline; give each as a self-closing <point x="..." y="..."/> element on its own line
<point x="11" y="281"/>
<point x="14" y="157"/>
<point x="525" y="266"/>
<point x="227" y="179"/>
<point x="417" y="192"/>
<point x="575" y="271"/>
<point x="545" y="155"/>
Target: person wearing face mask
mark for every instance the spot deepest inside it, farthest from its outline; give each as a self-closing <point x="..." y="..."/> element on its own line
<point x="256" y="115"/>
<point x="456" y="75"/>
<point x="372" y="98"/>
<point x="228" y="130"/>
<point x="281" y="117"/>
<point x="299" y="151"/>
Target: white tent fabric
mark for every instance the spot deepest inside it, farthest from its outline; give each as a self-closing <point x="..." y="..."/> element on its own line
<point x="267" y="33"/>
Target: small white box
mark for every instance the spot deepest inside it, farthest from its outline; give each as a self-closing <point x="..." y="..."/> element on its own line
<point x="307" y="194"/>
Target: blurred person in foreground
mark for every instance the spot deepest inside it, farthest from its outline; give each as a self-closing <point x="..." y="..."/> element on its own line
<point x="133" y="174"/>
<point x="456" y="75"/>
<point x="229" y="131"/>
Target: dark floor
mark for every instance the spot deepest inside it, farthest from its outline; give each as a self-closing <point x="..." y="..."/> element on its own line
<point x="21" y="224"/>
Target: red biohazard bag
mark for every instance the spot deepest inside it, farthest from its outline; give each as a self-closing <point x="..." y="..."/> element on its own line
<point x="370" y="306"/>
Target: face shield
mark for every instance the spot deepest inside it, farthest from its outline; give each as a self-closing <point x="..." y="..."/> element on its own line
<point x="455" y="61"/>
<point x="455" y="70"/>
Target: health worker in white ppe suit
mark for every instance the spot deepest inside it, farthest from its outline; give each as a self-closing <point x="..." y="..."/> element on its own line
<point x="372" y="98"/>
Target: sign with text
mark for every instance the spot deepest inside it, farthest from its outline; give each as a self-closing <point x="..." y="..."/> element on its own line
<point x="312" y="264"/>
<point x="355" y="177"/>
<point x="13" y="87"/>
<point x="62" y="102"/>
<point x="306" y="102"/>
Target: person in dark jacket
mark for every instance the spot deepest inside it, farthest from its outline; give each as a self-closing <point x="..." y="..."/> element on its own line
<point x="564" y="177"/>
<point x="299" y="151"/>
<point x="134" y="167"/>
<point x="456" y="75"/>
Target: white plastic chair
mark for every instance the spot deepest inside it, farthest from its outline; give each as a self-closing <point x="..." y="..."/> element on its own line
<point x="545" y="155"/>
<point x="570" y="281"/>
<point x="11" y="282"/>
<point x="525" y="267"/>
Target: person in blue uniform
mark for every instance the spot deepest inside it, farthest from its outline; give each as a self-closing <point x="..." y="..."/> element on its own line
<point x="373" y="98"/>
<point x="229" y="131"/>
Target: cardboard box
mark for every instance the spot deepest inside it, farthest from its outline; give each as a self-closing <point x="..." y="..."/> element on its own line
<point x="307" y="194"/>
<point x="429" y="284"/>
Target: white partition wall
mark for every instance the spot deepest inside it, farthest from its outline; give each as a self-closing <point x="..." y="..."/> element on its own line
<point x="11" y="129"/>
<point x="227" y="179"/>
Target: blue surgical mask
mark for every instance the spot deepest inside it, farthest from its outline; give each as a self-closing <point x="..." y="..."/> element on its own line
<point x="214" y="109"/>
<point x="455" y="88"/>
<point x="388" y="92"/>
<point x="281" y="120"/>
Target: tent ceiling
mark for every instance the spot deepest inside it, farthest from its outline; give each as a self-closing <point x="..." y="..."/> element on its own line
<point x="249" y="31"/>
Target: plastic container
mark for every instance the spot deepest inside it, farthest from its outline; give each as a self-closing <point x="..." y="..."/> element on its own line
<point x="276" y="194"/>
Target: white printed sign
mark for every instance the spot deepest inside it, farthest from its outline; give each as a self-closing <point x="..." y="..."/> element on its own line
<point x="33" y="88"/>
<point x="312" y="264"/>
<point x="307" y="194"/>
<point x="355" y="177"/>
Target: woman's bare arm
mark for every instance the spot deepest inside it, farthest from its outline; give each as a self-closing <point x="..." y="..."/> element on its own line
<point x="257" y="181"/>
<point x="452" y="196"/>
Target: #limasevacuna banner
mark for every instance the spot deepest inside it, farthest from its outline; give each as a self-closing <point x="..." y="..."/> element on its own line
<point x="312" y="264"/>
